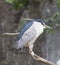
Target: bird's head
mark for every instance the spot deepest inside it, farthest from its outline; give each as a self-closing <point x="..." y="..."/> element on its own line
<point x="46" y="26"/>
<point x="43" y="22"/>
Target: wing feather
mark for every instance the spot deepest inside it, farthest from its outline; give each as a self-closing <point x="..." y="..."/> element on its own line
<point x="26" y="37"/>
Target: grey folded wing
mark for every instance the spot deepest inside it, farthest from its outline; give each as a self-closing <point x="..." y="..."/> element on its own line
<point x="26" y="37"/>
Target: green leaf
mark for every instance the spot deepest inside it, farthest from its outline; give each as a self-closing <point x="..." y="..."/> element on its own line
<point x="9" y="1"/>
<point x="17" y="4"/>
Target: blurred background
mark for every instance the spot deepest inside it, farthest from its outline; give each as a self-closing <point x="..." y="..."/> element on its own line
<point x="12" y="14"/>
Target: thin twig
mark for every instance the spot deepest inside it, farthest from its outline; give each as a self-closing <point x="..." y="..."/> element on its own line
<point x="11" y="33"/>
<point x="28" y="19"/>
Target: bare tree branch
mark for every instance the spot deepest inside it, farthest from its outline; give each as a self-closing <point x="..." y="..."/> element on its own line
<point x="36" y="57"/>
<point x="11" y="33"/>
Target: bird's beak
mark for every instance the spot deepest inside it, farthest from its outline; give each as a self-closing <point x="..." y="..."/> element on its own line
<point x="48" y="27"/>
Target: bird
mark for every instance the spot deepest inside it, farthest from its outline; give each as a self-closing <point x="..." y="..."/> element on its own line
<point x="29" y="33"/>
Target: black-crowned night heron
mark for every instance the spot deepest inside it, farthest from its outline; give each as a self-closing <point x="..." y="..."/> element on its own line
<point x="29" y="33"/>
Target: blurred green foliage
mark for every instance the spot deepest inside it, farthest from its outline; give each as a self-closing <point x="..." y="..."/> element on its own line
<point x="58" y="7"/>
<point x="17" y="4"/>
<point x="58" y="3"/>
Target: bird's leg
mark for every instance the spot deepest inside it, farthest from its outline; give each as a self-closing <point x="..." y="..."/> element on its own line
<point x="30" y="48"/>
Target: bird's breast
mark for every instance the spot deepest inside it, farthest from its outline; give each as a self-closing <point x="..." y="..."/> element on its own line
<point x="39" y="28"/>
